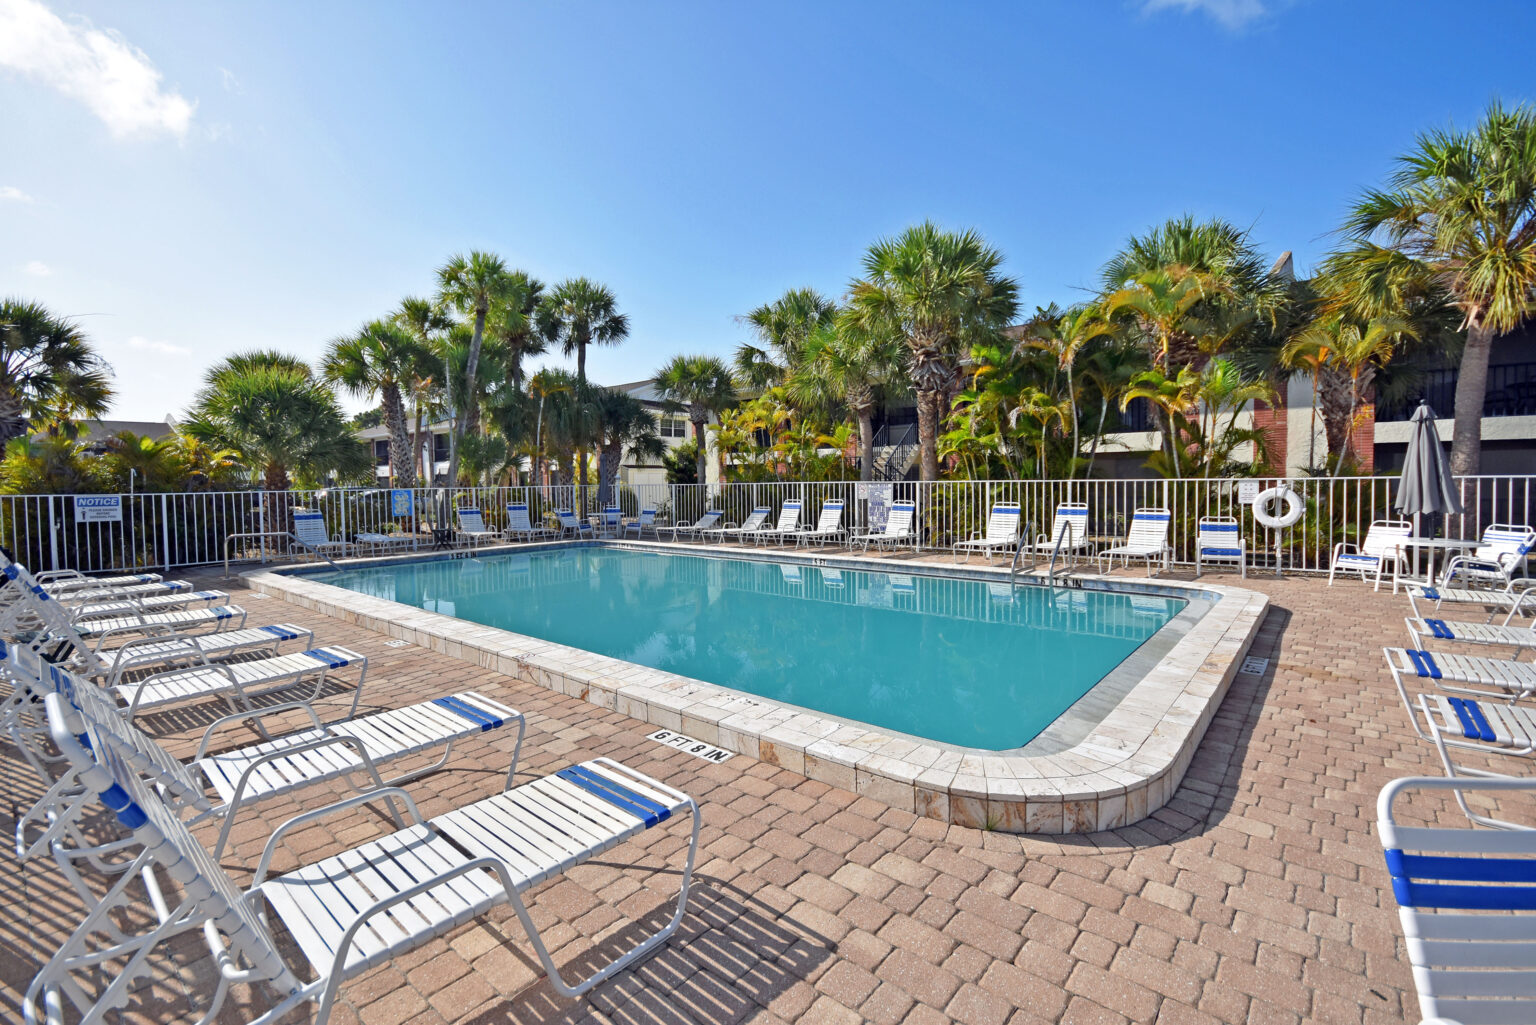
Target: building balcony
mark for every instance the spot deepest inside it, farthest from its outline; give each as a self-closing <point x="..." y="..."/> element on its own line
<point x="1511" y="392"/>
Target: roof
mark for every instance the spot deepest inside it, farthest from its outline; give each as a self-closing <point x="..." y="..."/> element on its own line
<point x="98" y="430"/>
<point x="645" y="391"/>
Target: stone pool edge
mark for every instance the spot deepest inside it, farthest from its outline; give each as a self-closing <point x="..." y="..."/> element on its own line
<point x="1127" y="767"/>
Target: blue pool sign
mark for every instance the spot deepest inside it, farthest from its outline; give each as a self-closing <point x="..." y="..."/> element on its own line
<point x="400" y="502"/>
<point x="98" y="508"/>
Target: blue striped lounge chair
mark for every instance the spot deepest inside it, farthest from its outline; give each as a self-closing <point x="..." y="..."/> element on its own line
<point x="430" y="876"/>
<point x="1382" y="547"/>
<point x="1001" y="535"/>
<point x="1495" y="562"/>
<point x="898" y="529"/>
<point x="1220" y="539"/>
<point x="1462" y="674"/>
<point x="572" y="525"/>
<point x="646" y="521"/>
<point x="1466" y="899"/>
<point x="520" y="527"/>
<point x="788" y="525"/>
<point x="709" y="521"/>
<point x="310" y="534"/>
<point x="472" y="527"/>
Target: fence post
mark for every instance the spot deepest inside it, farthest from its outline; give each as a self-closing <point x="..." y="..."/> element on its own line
<point x="53" y="532"/>
<point x="165" y="530"/>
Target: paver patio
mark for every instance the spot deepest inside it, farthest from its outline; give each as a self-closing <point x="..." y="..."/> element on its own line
<point x="1257" y="895"/>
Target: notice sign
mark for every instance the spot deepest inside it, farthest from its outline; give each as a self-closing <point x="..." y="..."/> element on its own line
<point x="1247" y="491"/>
<point x="98" y="508"/>
<point x="697" y="748"/>
<point x="400" y="502"/>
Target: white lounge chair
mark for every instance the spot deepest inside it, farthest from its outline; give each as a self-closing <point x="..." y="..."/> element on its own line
<point x="698" y="528"/>
<point x="1462" y="674"/>
<point x="519" y="527"/>
<point x="751" y="525"/>
<point x="238" y="682"/>
<point x="1467" y="904"/>
<point x="1069" y="526"/>
<point x="1220" y="539"/>
<point x="381" y="543"/>
<point x="87" y="595"/>
<point x="57" y="581"/>
<point x="215" y="618"/>
<point x="147" y="604"/>
<point x="898" y="529"/>
<point x="218" y="785"/>
<point x="572" y="525"/>
<point x="646" y="521"/>
<point x="1487" y="727"/>
<point x="610" y="523"/>
<point x="430" y="877"/>
<point x="1382" y="546"/>
<point x="309" y="533"/>
<point x="1147" y="539"/>
<point x="473" y="529"/>
<point x="1517" y="637"/>
<point x="787" y="526"/>
<point x="1512" y="599"/>
<point x="829" y="525"/>
<point x="1502" y="553"/>
<point x="1001" y="535"/>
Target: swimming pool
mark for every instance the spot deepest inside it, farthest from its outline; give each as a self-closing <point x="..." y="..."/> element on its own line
<point x="971" y="662"/>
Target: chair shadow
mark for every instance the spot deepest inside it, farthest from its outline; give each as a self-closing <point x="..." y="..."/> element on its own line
<point x="731" y="955"/>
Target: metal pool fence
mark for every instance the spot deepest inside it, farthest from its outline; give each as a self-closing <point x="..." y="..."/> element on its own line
<point x="149" y="531"/>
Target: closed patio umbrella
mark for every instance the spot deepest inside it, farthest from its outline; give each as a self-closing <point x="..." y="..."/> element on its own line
<point x="1426" y="487"/>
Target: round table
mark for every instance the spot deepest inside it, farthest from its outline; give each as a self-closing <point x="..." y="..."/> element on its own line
<point x="1438" y="544"/>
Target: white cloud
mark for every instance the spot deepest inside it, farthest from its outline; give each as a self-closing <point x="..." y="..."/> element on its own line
<point x="98" y="67"/>
<point x="166" y="348"/>
<point x="231" y="83"/>
<point x="1230" y="14"/>
<point x="12" y="192"/>
<point x="38" y="269"/>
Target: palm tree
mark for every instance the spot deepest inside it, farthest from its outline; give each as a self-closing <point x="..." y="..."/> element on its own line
<point x="623" y="424"/>
<point x="1359" y="352"/>
<point x="578" y="313"/>
<point x="269" y="407"/>
<point x="941" y="292"/>
<point x="1173" y="396"/>
<point x="544" y="384"/>
<point x="46" y="366"/>
<point x="426" y="323"/>
<point x="1063" y="335"/>
<point x="702" y="385"/>
<point x="380" y="360"/>
<point x="513" y="322"/>
<point x="1460" y="211"/>
<point x="783" y="328"/>
<point x="852" y="365"/>
<point x="471" y="286"/>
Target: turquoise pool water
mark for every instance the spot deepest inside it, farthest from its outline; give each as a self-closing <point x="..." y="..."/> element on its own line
<point x="960" y="661"/>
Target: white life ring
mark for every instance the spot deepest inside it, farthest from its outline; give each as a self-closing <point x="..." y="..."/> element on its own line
<point x="1293" y="507"/>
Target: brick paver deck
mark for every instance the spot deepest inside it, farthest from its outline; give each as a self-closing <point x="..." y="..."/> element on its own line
<point x="1256" y="896"/>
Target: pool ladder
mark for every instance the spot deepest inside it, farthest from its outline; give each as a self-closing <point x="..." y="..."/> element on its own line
<point x="1050" y="570"/>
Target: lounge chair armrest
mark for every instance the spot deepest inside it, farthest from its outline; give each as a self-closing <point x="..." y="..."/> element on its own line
<point x="1342" y="546"/>
<point x="225" y="720"/>
<point x="345" y="804"/>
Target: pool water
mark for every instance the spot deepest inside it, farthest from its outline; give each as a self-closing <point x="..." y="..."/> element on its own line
<point x="968" y="662"/>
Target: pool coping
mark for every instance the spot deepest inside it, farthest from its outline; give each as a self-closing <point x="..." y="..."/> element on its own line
<point x="1125" y="768"/>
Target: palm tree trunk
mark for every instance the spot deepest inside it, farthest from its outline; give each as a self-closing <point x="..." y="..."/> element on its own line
<point x="400" y="466"/>
<point x="13" y="418"/>
<point x="698" y="416"/>
<point x="1093" y="450"/>
<point x="928" y="435"/>
<point x="607" y="471"/>
<point x="866" y="443"/>
<point x="276" y="477"/>
<point x="471" y="367"/>
<point x="1471" y="387"/>
<point x="1072" y="401"/>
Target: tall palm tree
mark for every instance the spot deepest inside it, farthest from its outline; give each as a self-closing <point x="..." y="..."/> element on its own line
<point x="513" y="322"/>
<point x="783" y="327"/>
<point x="471" y="286"/>
<point x="1064" y="335"/>
<point x="942" y="293"/>
<point x="380" y="360"/>
<point x="580" y="312"/>
<point x="46" y="365"/>
<point x="269" y="407"/>
<point x="1460" y="211"/>
<point x="702" y="385"/>
<point x="426" y="323"/>
<point x="623" y="424"/>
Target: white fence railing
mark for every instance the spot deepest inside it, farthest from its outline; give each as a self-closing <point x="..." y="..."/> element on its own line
<point x="190" y="529"/>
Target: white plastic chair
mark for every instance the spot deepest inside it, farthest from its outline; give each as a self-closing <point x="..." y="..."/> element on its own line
<point x="1382" y="546"/>
<point x="472" y="526"/>
<point x="519" y="527"/>
<point x="758" y="520"/>
<point x="898" y="529"/>
<point x="1147" y="539"/>
<point x="1502" y="553"/>
<point x="698" y="528"/>
<point x="367" y="905"/>
<point x="309" y="532"/>
<point x="572" y="525"/>
<point x="787" y="526"/>
<point x="646" y="521"/>
<point x="1467" y="903"/>
<point x="1002" y="533"/>
<point x="57" y="581"/>
<point x="829" y="526"/>
<point x="1220" y="539"/>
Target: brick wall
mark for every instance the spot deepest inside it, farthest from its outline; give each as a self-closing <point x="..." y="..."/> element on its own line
<point x="1271" y="420"/>
<point x="1362" y="441"/>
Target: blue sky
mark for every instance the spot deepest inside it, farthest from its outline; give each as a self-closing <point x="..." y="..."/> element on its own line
<point x="195" y="179"/>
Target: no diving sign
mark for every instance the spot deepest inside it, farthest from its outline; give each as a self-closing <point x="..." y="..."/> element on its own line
<point x="98" y="508"/>
<point x="697" y="748"/>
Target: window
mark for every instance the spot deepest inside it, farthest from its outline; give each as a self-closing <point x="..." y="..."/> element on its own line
<point x="440" y="448"/>
<point x="674" y="427"/>
<point x="381" y="453"/>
